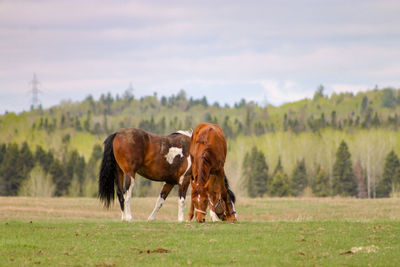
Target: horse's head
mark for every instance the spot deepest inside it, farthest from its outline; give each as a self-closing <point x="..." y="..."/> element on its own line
<point x="200" y="201"/>
<point x="217" y="206"/>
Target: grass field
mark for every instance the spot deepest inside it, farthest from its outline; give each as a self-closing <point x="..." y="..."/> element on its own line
<point x="270" y="232"/>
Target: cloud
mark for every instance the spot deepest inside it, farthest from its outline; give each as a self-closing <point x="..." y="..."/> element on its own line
<point x="255" y="50"/>
<point x="279" y="92"/>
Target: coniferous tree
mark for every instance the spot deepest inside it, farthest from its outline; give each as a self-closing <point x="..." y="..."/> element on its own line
<point x="93" y="164"/>
<point x="260" y="173"/>
<point x="299" y="178"/>
<point x="278" y="167"/>
<point x="375" y="121"/>
<point x="3" y="150"/>
<point x="391" y="175"/>
<point x="75" y="168"/>
<point x="388" y="98"/>
<point x="333" y="119"/>
<point x="364" y="103"/>
<point x="255" y="171"/>
<point x="280" y="185"/>
<point x="45" y="159"/>
<point x="11" y="171"/>
<point x="320" y="186"/>
<point x="88" y="121"/>
<point x="343" y="182"/>
<point x="59" y="178"/>
<point x="25" y="160"/>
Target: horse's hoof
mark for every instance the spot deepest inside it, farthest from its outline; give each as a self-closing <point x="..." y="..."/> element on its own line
<point x="127" y="219"/>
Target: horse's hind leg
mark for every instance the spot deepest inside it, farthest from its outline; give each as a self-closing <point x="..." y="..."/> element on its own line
<point x="130" y="181"/>
<point x="182" y="196"/>
<point x="126" y="182"/>
<point x="160" y="200"/>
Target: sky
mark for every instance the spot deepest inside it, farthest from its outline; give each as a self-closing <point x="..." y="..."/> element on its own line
<point x="270" y="52"/>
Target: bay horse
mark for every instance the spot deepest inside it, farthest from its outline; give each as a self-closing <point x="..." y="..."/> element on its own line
<point x="158" y="158"/>
<point x="208" y="150"/>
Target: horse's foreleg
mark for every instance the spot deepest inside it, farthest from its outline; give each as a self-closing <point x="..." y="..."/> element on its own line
<point x="160" y="200"/>
<point x="129" y="184"/>
<point x="183" y="187"/>
<point x="191" y="210"/>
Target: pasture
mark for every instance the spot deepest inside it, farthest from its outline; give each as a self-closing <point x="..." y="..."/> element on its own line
<point x="270" y="232"/>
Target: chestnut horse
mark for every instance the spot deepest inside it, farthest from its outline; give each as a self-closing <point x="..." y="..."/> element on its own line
<point x="208" y="152"/>
<point x="158" y="158"/>
<point x="217" y="205"/>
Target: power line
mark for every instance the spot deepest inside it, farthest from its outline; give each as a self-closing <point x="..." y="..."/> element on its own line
<point x="35" y="93"/>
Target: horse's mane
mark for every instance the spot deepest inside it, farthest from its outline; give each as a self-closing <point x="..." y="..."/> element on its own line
<point x="230" y="192"/>
<point x="187" y="133"/>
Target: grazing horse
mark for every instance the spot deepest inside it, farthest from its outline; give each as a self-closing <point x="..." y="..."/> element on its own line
<point x="158" y="158"/>
<point x="208" y="152"/>
<point x="217" y="205"/>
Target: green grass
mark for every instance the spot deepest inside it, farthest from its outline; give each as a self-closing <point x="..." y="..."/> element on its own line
<point x="244" y="243"/>
<point x="285" y="232"/>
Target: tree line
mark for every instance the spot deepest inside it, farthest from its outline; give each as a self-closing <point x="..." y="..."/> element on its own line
<point x="347" y="179"/>
<point x="99" y="116"/>
<point x="41" y="173"/>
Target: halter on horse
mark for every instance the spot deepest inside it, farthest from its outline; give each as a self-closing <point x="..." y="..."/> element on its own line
<point x="215" y="201"/>
<point x="158" y="158"/>
<point x="208" y="152"/>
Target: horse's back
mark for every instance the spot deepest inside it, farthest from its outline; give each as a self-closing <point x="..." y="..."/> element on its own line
<point x="152" y="156"/>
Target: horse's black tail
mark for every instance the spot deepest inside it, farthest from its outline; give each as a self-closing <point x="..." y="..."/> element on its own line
<point x="230" y="192"/>
<point x="107" y="174"/>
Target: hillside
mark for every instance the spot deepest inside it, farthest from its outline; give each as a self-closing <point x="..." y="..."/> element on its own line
<point x="310" y="129"/>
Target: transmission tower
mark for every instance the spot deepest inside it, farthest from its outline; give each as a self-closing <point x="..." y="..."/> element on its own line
<point x="35" y="92"/>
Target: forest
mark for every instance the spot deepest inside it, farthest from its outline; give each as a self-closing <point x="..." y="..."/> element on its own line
<point x="343" y="144"/>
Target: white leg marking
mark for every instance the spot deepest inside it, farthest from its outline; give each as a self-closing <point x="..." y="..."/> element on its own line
<point x="213" y="216"/>
<point x="233" y="207"/>
<point x="181" y="208"/>
<point x="172" y="153"/>
<point x="189" y="161"/>
<point x="127" y="214"/>
<point x="159" y="203"/>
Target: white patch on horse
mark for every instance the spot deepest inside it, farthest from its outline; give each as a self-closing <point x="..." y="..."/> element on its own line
<point x="188" y="167"/>
<point x="172" y="153"/>
<point x="181" y="207"/>
<point x="127" y="214"/>
<point x="159" y="204"/>
<point x="213" y="216"/>
<point x="187" y="133"/>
